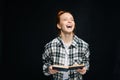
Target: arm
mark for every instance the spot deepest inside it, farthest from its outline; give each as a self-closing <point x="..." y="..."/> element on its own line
<point x="85" y="60"/>
<point x="47" y="62"/>
<point x="86" y="57"/>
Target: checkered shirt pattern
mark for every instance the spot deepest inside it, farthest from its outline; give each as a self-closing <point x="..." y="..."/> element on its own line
<point x="54" y="54"/>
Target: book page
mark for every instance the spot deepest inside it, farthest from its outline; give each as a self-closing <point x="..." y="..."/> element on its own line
<point x="61" y="67"/>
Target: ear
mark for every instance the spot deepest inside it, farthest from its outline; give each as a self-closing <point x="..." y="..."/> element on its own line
<point x="58" y="26"/>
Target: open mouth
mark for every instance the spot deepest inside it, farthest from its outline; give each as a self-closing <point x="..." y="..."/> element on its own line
<point x="69" y="26"/>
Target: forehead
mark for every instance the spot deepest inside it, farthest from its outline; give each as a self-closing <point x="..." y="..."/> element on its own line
<point x="66" y="15"/>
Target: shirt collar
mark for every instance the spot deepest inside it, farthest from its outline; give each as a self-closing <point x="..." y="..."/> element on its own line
<point x="74" y="42"/>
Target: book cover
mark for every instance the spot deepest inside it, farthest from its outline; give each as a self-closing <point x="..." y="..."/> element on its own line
<point x="65" y="68"/>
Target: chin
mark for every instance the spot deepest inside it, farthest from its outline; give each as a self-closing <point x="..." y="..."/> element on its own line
<point x="69" y="32"/>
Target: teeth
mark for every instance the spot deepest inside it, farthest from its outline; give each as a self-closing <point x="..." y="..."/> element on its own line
<point x="69" y="26"/>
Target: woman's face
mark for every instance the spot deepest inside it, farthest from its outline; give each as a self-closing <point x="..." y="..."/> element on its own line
<point x="67" y="23"/>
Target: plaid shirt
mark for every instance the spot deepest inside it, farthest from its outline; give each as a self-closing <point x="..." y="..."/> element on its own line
<point x="54" y="54"/>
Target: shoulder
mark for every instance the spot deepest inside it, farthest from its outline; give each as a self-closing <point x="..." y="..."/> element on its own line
<point x="53" y="42"/>
<point x="80" y="41"/>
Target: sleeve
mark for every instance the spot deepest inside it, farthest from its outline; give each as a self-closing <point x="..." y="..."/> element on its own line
<point x="46" y="60"/>
<point x="85" y="56"/>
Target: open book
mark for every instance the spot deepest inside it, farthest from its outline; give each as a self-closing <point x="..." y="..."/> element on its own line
<point x="64" y="68"/>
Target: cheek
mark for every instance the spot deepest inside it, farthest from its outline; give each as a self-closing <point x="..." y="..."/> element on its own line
<point x="62" y="25"/>
<point x="74" y="23"/>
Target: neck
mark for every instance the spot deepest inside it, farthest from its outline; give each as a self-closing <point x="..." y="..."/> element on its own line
<point x="67" y="38"/>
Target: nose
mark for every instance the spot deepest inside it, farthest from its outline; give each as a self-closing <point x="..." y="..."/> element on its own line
<point x="69" y="21"/>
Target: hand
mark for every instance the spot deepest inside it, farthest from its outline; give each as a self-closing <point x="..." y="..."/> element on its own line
<point x="52" y="71"/>
<point x="82" y="71"/>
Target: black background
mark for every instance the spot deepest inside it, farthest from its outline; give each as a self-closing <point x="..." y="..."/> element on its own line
<point x="26" y="26"/>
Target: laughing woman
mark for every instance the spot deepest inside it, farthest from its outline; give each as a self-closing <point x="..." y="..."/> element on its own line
<point x="66" y="50"/>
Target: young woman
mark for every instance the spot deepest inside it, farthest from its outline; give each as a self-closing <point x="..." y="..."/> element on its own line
<point x="66" y="50"/>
